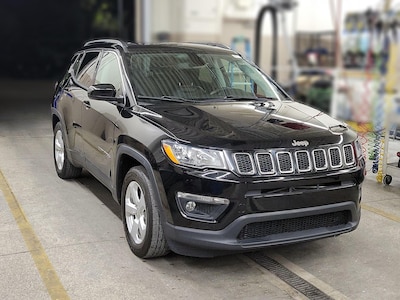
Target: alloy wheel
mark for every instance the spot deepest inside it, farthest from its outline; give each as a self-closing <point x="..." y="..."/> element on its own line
<point x="135" y="212"/>
<point x="59" y="153"/>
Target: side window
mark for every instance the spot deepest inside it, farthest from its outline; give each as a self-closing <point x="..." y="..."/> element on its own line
<point x="87" y="68"/>
<point x="109" y="72"/>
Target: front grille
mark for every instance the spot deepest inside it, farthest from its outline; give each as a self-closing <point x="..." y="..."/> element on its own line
<point x="264" y="229"/>
<point x="294" y="161"/>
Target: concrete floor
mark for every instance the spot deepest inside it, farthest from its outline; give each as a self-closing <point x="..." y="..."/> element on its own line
<point x="82" y="242"/>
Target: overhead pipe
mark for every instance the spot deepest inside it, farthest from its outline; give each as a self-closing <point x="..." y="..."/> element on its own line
<point x="274" y="54"/>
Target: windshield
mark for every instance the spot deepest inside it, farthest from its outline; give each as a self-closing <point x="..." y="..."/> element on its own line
<point x="170" y="73"/>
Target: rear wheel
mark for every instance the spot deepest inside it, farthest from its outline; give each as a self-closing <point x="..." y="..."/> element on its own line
<point x="65" y="169"/>
<point x="140" y="216"/>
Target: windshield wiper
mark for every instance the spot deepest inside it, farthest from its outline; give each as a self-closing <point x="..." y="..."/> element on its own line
<point x="267" y="98"/>
<point x="230" y="97"/>
<point x="165" y="98"/>
<point x="237" y="98"/>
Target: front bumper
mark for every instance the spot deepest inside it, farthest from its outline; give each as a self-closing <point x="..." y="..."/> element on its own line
<point x="206" y="243"/>
<point x="266" y="213"/>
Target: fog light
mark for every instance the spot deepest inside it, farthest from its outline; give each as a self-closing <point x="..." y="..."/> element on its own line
<point x="201" y="208"/>
<point x="190" y="206"/>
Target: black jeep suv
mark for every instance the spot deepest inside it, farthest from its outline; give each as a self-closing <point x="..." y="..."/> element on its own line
<point x="205" y="153"/>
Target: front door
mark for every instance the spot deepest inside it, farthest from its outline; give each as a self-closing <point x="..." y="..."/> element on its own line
<point x="98" y="121"/>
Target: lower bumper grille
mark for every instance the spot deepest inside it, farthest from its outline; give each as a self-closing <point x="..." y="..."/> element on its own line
<point x="264" y="229"/>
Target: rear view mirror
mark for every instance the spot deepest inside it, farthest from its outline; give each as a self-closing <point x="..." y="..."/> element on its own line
<point x="103" y="91"/>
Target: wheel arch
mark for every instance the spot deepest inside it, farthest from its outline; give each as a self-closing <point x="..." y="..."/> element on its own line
<point x="56" y="117"/>
<point x="128" y="157"/>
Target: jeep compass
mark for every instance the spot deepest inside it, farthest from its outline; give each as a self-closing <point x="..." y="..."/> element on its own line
<point x="205" y="153"/>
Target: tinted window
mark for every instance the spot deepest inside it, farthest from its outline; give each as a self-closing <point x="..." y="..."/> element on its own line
<point x="109" y="72"/>
<point x="87" y="68"/>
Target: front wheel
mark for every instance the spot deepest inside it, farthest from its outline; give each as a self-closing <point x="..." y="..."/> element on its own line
<point x="140" y="216"/>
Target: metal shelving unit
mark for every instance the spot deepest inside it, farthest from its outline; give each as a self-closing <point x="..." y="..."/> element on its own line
<point x="391" y="158"/>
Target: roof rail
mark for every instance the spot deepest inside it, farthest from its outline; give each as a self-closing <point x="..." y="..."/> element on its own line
<point x="118" y="42"/>
<point x="220" y="45"/>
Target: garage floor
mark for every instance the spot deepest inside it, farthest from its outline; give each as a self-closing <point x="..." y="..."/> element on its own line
<point x="64" y="239"/>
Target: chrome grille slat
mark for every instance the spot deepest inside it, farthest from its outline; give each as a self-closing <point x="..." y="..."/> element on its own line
<point x="294" y="161"/>
<point x="348" y="154"/>
<point x="265" y="163"/>
<point x="319" y="157"/>
<point x="285" y="162"/>
<point x="303" y="161"/>
<point x="335" y="158"/>
<point x="244" y="163"/>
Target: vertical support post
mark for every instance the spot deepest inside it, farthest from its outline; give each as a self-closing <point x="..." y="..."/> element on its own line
<point x="121" y="19"/>
<point x="146" y="21"/>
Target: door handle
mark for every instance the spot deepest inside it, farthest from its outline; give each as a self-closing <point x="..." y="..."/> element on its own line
<point x="86" y="103"/>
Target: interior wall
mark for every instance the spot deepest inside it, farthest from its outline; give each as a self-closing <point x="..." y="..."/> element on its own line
<point x="187" y="17"/>
<point x="216" y="21"/>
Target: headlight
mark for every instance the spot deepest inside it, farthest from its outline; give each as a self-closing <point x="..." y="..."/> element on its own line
<point x="182" y="154"/>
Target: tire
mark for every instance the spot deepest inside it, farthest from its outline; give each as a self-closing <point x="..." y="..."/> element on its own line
<point x="387" y="179"/>
<point x="140" y="216"/>
<point x="65" y="169"/>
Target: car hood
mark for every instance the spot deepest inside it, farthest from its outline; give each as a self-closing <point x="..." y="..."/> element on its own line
<point x="249" y="125"/>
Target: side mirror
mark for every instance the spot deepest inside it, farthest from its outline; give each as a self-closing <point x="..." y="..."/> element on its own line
<point x="103" y="91"/>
